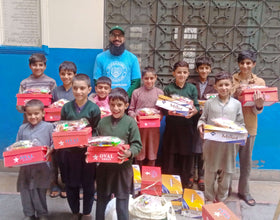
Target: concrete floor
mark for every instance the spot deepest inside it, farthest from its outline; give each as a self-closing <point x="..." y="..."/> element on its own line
<point x="264" y="185"/>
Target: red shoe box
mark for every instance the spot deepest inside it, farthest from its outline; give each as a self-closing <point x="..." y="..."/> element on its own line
<point x="27" y="156"/>
<point x="66" y="139"/>
<point x="104" y="154"/>
<point x="271" y="96"/>
<point x="152" y="121"/>
<point x="217" y="211"/>
<point x="151" y="181"/>
<point x="23" y="98"/>
<point x="52" y="114"/>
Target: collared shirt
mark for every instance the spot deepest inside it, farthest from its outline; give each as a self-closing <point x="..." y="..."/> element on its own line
<point x="202" y="87"/>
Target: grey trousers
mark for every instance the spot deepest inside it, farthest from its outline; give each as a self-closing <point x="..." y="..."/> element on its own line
<point x="223" y="181"/>
<point x="245" y="160"/>
<point x="34" y="202"/>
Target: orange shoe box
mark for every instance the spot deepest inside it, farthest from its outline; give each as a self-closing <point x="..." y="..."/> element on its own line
<point x="26" y="156"/>
<point x="66" y="139"/>
<point x="271" y="96"/>
<point x="217" y="211"/>
<point x="105" y="154"/>
<point x="23" y="98"/>
<point x="52" y="114"/>
<point x="151" y="121"/>
<point x="151" y="181"/>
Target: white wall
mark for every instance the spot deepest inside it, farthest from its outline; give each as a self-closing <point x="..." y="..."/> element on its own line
<point x="75" y="24"/>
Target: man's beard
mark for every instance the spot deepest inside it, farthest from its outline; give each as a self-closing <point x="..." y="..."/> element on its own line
<point x="116" y="51"/>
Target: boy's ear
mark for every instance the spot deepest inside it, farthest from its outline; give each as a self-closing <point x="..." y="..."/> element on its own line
<point x="126" y="105"/>
<point x="173" y="73"/>
<point x="89" y="89"/>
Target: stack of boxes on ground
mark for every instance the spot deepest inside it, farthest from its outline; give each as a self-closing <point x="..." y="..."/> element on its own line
<point x="187" y="202"/>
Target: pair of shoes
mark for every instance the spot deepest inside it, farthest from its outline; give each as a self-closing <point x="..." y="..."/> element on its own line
<point x="247" y="198"/>
<point x="55" y="192"/>
<point x="63" y="194"/>
<point x="190" y="183"/>
<point x="201" y="185"/>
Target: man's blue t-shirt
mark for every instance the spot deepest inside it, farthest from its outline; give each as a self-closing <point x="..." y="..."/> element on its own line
<point x="120" y="69"/>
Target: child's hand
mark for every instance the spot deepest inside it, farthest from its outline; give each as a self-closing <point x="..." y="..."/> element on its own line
<point x="173" y="113"/>
<point x="123" y="154"/>
<point x="259" y="99"/>
<point x="49" y="152"/>
<point x="201" y="130"/>
<point x="193" y="111"/>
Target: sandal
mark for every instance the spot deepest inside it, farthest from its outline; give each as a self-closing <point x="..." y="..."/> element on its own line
<point x="55" y="192"/>
<point x="63" y="194"/>
<point x="201" y="185"/>
<point x="248" y="199"/>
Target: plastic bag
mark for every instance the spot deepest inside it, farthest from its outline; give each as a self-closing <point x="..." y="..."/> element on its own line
<point x="147" y="111"/>
<point x="59" y="103"/>
<point x="39" y="90"/>
<point x="105" y="141"/>
<point x="226" y="123"/>
<point x="21" y="145"/>
<point x="151" y="207"/>
<point x="74" y="125"/>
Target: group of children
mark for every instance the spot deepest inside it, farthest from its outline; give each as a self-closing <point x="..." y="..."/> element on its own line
<point x="182" y="138"/>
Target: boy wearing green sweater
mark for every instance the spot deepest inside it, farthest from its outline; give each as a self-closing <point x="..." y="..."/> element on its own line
<point x="115" y="178"/>
<point x="78" y="173"/>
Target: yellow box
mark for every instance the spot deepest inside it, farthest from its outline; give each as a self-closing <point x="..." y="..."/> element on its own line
<point x="172" y="190"/>
<point x="136" y="173"/>
<point x="193" y="200"/>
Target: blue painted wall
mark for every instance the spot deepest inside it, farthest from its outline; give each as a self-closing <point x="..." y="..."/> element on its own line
<point x="14" y="68"/>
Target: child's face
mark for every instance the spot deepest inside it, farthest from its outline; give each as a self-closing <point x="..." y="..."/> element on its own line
<point x="223" y="88"/>
<point x="246" y="66"/>
<point x="203" y="71"/>
<point x="102" y="90"/>
<point x="149" y="80"/>
<point x="80" y="90"/>
<point x="37" y="68"/>
<point x="117" y="108"/>
<point x="66" y="77"/>
<point x="181" y="74"/>
<point x="34" y="114"/>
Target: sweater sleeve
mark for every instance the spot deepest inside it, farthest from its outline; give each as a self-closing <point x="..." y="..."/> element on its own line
<point x="135" y="83"/>
<point x="134" y="139"/>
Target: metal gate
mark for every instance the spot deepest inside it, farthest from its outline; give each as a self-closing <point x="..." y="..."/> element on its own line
<point x="162" y="32"/>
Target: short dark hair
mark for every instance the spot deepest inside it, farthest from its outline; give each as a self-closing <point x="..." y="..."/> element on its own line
<point x="104" y="80"/>
<point x="68" y="65"/>
<point x="180" y="64"/>
<point x="33" y="103"/>
<point x="119" y="93"/>
<point x="82" y="77"/>
<point x="247" y="54"/>
<point x="203" y="61"/>
<point x="37" y="57"/>
<point x="148" y="69"/>
<point x="222" y="75"/>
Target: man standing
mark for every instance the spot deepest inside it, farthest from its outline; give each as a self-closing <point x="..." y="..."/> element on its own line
<point x="117" y="63"/>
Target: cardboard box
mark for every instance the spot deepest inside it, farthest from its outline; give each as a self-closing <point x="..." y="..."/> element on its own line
<point x="26" y="156"/>
<point x="52" y="114"/>
<point x="151" y="121"/>
<point x="22" y="99"/>
<point x="217" y="211"/>
<point x="271" y="96"/>
<point x="66" y="139"/>
<point x="104" y="154"/>
<point x="171" y="106"/>
<point x="136" y="178"/>
<point x="151" y="181"/>
<point x="227" y="135"/>
<point x="193" y="200"/>
<point x="172" y="190"/>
